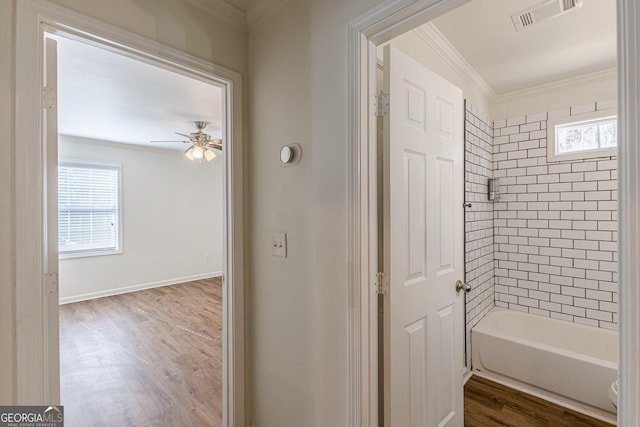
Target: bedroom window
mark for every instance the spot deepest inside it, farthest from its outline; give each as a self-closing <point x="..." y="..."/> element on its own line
<point x="89" y="209"/>
<point x="582" y="136"/>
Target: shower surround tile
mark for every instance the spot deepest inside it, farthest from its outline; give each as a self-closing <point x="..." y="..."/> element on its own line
<point x="549" y="246"/>
<point x="555" y="227"/>
<point x="479" y="248"/>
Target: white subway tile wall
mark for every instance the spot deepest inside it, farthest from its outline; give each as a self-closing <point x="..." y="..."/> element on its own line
<point x="479" y="254"/>
<point x="555" y="227"/>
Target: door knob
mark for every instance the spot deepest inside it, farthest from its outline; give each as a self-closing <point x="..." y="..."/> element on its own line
<point x="461" y="286"/>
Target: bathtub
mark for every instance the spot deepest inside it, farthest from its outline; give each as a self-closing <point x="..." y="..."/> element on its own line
<point x="567" y="363"/>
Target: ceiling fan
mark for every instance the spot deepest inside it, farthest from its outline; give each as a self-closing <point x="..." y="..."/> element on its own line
<point x="201" y="145"/>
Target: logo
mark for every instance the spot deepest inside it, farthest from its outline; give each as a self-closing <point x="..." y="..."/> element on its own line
<point x="31" y="416"/>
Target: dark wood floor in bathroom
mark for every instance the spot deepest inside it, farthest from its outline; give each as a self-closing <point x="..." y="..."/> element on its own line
<point x="488" y="404"/>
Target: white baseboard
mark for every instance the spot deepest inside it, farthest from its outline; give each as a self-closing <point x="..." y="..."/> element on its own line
<point x="134" y="288"/>
<point x="466" y="375"/>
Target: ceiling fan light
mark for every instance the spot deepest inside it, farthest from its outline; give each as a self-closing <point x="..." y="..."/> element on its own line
<point x="197" y="152"/>
<point x="202" y="146"/>
<point x="209" y="155"/>
<point x="189" y="153"/>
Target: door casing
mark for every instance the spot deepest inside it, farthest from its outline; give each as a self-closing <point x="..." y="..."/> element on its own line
<point x="34" y="18"/>
<point x="383" y="23"/>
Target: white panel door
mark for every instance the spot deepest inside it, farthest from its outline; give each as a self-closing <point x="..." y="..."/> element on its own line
<point x="51" y="297"/>
<point x="423" y="246"/>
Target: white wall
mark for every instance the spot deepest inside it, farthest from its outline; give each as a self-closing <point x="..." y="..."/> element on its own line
<point x="286" y="297"/>
<point x="298" y="305"/>
<point x="182" y="25"/>
<point x="171" y="220"/>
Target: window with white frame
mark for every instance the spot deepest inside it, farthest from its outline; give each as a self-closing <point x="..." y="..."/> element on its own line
<point x="89" y="209"/>
<point x="582" y="136"/>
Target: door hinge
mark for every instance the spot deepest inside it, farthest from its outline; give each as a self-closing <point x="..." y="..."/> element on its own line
<point x="382" y="283"/>
<point x="381" y="104"/>
<point x="48" y="97"/>
<point x="51" y="283"/>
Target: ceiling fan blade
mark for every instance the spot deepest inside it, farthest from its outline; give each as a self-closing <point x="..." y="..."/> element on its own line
<point x="167" y="141"/>
<point x="215" y="143"/>
<point x="182" y="134"/>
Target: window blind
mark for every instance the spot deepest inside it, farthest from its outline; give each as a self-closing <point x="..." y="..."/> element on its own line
<point x="88" y="208"/>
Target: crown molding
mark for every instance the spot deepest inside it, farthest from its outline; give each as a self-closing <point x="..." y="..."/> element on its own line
<point x="572" y="82"/>
<point x="223" y="10"/>
<point x="260" y="10"/>
<point x="429" y="34"/>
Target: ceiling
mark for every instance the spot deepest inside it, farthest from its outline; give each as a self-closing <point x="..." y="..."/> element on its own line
<point x="107" y="96"/>
<point x="110" y="97"/>
<point x="579" y="42"/>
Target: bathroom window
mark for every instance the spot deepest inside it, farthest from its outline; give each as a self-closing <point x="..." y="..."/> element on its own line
<point x="89" y="209"/>
<point x="583" y="136"/>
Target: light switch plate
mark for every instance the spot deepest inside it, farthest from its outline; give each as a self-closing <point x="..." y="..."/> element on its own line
<point x="279" y="244"/>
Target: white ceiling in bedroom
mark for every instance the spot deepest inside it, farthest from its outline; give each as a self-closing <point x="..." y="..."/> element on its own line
<point x="107" y="96"/>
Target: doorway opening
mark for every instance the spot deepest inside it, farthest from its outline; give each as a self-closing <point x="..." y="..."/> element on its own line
<point x="384" y="25"/>
<point x="139" y="240"/>
<point x="38" y="375"/>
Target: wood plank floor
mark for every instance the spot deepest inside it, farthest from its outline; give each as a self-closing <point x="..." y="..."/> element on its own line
<point x="154" y="358"/>
<point x="487" y="404"/>
<point x="148" y="358"/>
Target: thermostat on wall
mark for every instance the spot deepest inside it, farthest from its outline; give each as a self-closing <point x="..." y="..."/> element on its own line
<point x="290" y="154"/>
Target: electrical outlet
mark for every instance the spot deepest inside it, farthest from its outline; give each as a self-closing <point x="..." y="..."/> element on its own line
<point x="207" y="257"/>
<point x="279" y="244"/>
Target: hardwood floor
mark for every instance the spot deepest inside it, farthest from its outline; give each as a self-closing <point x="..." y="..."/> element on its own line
<point x="154" y="358"/>
<point x="487" y="404"/>
<point x="148" y="358"/>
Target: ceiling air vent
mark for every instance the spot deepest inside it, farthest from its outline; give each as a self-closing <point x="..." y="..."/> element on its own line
<point x="526" y="19"/>
<point x="543" y="11"/>
<point x="570" y="4"/>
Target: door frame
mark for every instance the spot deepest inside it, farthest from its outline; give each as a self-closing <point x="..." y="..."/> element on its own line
<point x="382" y="23"/>
<point x="33" y="373"/>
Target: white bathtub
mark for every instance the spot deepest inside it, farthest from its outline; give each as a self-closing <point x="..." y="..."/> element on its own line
<point x="570" y="364"/>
